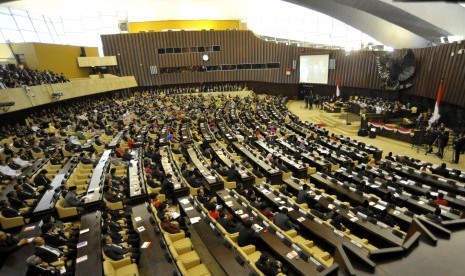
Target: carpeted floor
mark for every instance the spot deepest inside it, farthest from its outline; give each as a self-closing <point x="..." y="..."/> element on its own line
<point x="205" y="255"/>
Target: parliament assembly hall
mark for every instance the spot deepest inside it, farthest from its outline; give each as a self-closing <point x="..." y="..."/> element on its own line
<point x="241" y="138"/>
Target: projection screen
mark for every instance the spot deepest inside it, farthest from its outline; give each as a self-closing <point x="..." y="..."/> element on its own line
<point x="314" y="69"/>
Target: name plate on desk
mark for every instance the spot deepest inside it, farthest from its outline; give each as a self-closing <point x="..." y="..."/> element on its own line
<point x="356" y="243"/>
<point x="318" y="220"/>
<point x="81" y="259"/>
<point x="339" y="233"/>
<point x="317" y="263"/>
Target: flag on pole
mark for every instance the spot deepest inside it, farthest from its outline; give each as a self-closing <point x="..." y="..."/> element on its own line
<point x="436" y="114"/>
<point x="338" y="87"/>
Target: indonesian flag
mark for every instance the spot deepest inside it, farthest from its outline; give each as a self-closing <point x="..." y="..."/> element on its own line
<point x="436" y="115"/>
<point x="338" y="87"/>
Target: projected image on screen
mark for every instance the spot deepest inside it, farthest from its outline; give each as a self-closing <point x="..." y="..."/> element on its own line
<point x="314" y="69"/>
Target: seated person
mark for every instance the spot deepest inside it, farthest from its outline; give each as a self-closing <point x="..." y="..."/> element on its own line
<point x="436" y="217"/>
<point x="283" y="190"/>
<point x="318" y="211"/>
<point x="281" y="166"/>
<point x="282" y="220"/>
<point x="8" y="244"/>
<point x="116" y="252"/>
<point x="53" y="237"/>
<point x="246" y="234"/>
<point x="257" y="172"/>
<point x="372" y="163"/>
<point x="233" y="174"/>
<point x="154" y="200"/>
<point x="151" y="182"/>
<point x="202" y="197"/>
<point x="227" y="223"/>
<point x="39" y="267"/>
<point x="169" y="227"/>
<point x="9" y="211"/>
<point x="48" y="253"/>
<point x="213" y="212"/>
<point x="267" y="266"/>
<point x="337" y="223"/>
<point x="303" y="196"/>
<point x="167" y="188"/>
<point x="386" y="218"/>
<point x="112" y="195"/>
<point x="17" y="203"/>
<point x="72" y="200"/>
<point x="442" y="170"/>
<point x="440" y="200"/>
<point x="124" y="236"/>
<point x="265" y="210"/>
<point x="364" y="209"/>
<point x="41" y="179"/>
<point x="7" y="171"/>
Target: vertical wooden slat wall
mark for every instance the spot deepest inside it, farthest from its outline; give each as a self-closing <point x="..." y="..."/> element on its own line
<point x="357" y="69"/>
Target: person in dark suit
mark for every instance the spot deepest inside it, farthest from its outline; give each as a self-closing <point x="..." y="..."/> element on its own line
<point x="267" y="266"/>
<point x="337" y="223"/>
<point x="318" y="211"/>
<point x="15" y="202"/>
<point x="233" y="174"/>
<point x="53" y="238"/>
<point x="282" y="221"/>
<point x="257" y="172"/>
<point x="246" y="234"/>
<point x="23" y="194"/>
<point x="41" y="179"/>
<point x="442" y="170"/>
<point x="121" y="236"/>
<point x="281" y="166"/>
<point x="389" y="157"/>
<point x="227" y="224"/>
<point x="167" y="188"/>
<point x="303" y="196"/>
<point x="48" y="253"/>
<point x="436" y="217"/>
<point x="9" y="211"/>
<point x="116" y="252"/>
<point x="112" y="195"/>
<point x="8" y="244"/>
<point x="386" y="218"/>
<point x="38" y="267"/>
<point x="364" y="209"/>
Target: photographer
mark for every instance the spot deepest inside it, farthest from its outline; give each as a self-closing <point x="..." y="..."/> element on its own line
<point x="459" y="142"/>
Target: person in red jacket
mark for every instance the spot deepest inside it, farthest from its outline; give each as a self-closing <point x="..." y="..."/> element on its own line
<point x="213" y="212"/>
<point x="131" y="144"/>
<point x="440" y="200"/>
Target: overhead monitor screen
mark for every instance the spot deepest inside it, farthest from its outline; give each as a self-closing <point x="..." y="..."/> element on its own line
<point x="314" y="69"/>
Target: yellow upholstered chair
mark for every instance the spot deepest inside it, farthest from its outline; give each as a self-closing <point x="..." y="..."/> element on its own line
<point x="124" y="268"/>
<point x="8" y="223"/>
<point x="287" y="175"/>
<point x="186" y="255"/>
<point x="113" y="205"/>
<point x="65" y="212"/>
<point x="192" y="268"/>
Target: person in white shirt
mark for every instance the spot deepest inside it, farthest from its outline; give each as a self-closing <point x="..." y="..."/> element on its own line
<point x="6" y="170"/>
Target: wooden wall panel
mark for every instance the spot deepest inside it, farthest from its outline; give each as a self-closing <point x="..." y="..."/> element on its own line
<point x="356" y="70"/>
